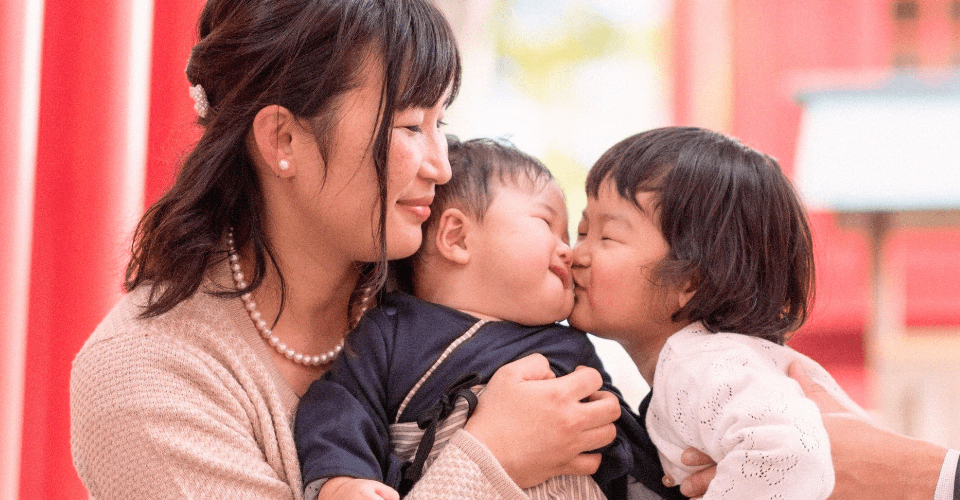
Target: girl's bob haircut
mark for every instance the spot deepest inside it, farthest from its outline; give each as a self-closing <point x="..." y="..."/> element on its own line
<point x="735" y="227"/>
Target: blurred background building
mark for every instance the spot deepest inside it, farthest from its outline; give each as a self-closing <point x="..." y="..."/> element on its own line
<point x="95" y="114"/>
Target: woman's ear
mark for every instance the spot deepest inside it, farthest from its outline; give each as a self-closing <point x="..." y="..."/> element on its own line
<point x="273" y="130"/>
<point x="451" y="236"/>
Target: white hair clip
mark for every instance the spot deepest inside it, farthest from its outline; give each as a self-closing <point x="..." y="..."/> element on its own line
<point x="200" y="104"/>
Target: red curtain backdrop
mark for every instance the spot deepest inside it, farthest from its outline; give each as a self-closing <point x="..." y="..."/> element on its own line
<point x="94" y="134"/>
<point x="172" y="118"/>
<point x="19" y="84"/>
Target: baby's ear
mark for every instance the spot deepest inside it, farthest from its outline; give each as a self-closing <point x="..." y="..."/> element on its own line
<point x="451" y="236"/>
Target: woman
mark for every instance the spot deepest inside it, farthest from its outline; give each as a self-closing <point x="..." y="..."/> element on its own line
<point x="316" y="165"/>
<point x="320" y="150"/>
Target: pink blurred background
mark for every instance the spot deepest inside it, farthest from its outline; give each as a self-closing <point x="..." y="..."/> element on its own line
<point x="95" y="115"/>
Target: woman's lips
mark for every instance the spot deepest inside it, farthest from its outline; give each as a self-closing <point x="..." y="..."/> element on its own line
<point x="419" y="207"/>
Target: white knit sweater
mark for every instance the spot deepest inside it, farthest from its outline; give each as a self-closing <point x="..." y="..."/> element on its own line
<point x="729" y="396"/>
<point x="189" y="405"/>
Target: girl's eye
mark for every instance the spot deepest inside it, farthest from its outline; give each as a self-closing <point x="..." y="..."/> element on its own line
<point x="441" y="124"/>
<point x="414" y="128"/>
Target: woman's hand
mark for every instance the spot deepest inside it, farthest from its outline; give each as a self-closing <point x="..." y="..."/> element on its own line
<point x="695" y="485"/>
<point x="539" y="426"/>
<point x="871" y="462"/>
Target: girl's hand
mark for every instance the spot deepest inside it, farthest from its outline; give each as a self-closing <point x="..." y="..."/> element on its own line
<point x="349" y="488"/>
<point x="539" y="426"/>
<point x="871" y="462"/>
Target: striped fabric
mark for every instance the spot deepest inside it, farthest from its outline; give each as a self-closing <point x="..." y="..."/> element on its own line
<point x="405" y="437"/>
<point x="443" y="357"/>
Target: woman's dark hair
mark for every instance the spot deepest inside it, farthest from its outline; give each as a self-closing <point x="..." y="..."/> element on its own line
<point x="734" y="224"/>
<point x="476" y="166"/>
<point x="302" y="55"/>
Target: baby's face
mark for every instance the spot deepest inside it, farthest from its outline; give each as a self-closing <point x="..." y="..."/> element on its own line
<point x="524" y="251"/>
<point x="618" y="248"/>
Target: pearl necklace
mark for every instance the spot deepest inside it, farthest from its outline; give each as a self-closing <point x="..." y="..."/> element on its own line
<point x="240" y="281"/>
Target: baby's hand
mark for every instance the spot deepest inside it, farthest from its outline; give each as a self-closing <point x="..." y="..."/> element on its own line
<point x="349" y="488"/>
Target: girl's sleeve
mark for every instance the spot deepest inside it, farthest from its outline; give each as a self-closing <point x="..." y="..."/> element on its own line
<point x="765" y="436"/>
<point x="153" y="418"/>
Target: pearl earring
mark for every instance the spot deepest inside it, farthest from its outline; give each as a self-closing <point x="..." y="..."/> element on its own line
<point x="283" y="165"/>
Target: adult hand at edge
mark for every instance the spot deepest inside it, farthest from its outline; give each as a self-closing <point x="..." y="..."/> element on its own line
<point x="539" y="426"/>
<point x="869" y="461"/>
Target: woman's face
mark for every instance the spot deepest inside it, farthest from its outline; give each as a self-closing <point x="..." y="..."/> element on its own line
<point x="340" y="200"/>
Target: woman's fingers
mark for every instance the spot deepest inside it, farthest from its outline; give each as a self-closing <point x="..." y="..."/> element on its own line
<point x="579" y="384"/>
<point x="531" y="367"/>
<point x="602" y="408"/>
<point x="605" y="400"/>
<point x="596" y="438"/>
<point x="590" y="412"/>
<point x="695" y="485"/>
<point x="599" y="411"/>
<point x="695" y="458"/>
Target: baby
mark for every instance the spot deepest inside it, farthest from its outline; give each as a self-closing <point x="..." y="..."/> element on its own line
<point x="492" y="278"/>
<point x="696" y="254"/>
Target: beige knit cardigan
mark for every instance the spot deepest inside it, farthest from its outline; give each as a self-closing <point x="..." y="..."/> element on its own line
<point x="189" y="405"/>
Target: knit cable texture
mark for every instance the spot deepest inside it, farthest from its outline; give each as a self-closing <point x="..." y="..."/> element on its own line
<point x="189" y="405"/>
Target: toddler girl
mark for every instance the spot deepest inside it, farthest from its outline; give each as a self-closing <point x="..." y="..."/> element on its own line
<point x="695" y="252"/>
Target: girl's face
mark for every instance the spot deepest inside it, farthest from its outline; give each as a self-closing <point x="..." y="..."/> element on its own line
<point x="340" y="201"/>
<point x="614" y="261"/>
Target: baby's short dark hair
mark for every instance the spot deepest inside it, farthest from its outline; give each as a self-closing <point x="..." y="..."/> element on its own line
<point x="478" y="165"/>
<point x="734" y="224"/>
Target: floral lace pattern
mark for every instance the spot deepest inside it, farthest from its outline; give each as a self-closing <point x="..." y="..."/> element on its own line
<point x="729" y="396"/>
